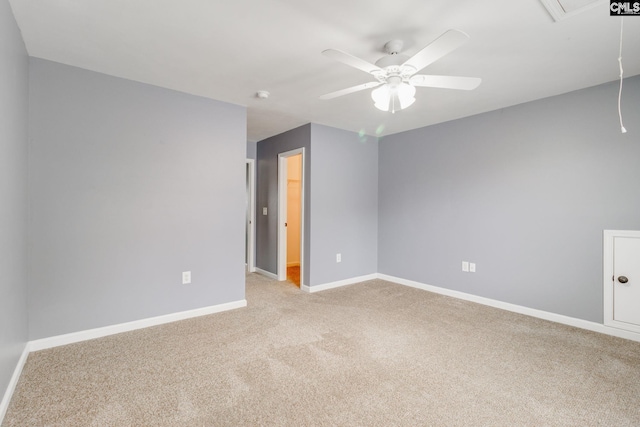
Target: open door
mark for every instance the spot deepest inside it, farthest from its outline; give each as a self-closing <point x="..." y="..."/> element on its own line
<point x="291" y="216"/>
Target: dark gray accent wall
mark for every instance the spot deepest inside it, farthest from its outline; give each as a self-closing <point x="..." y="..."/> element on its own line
<point x="524" y="192"/>
<point x="13" y="195"/>
<point x="267" y="196"/>
<point x="344" y="204"/>
<point x="130" y="185"/>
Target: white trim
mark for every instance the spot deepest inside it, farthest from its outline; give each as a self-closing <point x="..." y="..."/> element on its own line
<point x="282" y="217"/>
<point x="266" y="273"/>
<point x="302" y="197"/>
<point x="251" y="263"/>
<point x="339" y="283"/>
<point x="553" y="317"/>
<point x="608" y="274"/>
<point x="13" y="382"/>
<point x="90" y="334"/>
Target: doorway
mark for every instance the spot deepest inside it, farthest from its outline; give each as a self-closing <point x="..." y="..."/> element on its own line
<point x="291" y="216"/>
<point x="250" y="221"/>
<point x="622" y="279"/>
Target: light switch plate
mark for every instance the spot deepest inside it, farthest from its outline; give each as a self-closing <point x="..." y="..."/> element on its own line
<point x="264" y="211"/>
<point x="472" y="267"/>
<point x="465" y="266"/>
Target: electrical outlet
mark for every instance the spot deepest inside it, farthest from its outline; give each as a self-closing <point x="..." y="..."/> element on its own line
<point x="472" y="267"/>
<point x="338" y="257"/>
<point x="264" y="211"/>
<point x="465" y="266"/>
<point x="186" y="277"/>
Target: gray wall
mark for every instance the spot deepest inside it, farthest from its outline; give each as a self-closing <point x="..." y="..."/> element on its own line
<point x="130" y="185"/>
<point x="267" y="196"/>
<point x="344" y="204"/>
<point x="524" y="192"/>
<point x="13" y="197"/>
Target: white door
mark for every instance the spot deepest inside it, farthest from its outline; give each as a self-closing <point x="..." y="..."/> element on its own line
<point x="622" y="274"/>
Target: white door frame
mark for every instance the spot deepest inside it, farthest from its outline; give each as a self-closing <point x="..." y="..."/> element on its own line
<point x="609" y="279"/>
<point x="282" y="214"/>
<point x="251" y="226"/>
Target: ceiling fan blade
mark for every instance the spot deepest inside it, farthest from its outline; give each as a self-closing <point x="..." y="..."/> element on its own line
<point x="349" y="90"/>
<point x="445" y="82"/>
<point x="447" y="42"/>
<point x="350" y="60"/>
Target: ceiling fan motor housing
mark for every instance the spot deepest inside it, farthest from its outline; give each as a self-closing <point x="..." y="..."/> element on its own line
<point x="393" y="47"/>
<point x="394" y="81"/>
<point x="392" y="65"/>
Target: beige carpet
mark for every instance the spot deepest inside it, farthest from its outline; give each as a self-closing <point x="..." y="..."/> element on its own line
<point x="371" y="354"/>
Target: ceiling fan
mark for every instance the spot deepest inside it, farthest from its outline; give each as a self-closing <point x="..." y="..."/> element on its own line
<point x="396" y="76"/>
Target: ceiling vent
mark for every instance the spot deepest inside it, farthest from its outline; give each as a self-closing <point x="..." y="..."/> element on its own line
<point x="561" y="9"/>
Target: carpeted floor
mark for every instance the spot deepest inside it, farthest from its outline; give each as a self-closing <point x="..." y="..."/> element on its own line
<point x="371" y="354"/>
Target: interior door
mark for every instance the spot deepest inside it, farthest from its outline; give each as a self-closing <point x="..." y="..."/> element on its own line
<point x="626" y="280"/>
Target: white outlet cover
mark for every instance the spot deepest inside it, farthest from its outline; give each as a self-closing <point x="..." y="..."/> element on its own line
<point x="186" y="277"/>
<point x="472" y="267"/>
<point x="264" y="211"/>
<point x="465" y="266"/>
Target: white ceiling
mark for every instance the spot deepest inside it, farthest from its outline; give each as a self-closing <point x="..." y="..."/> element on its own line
<point x="229" y="49"/>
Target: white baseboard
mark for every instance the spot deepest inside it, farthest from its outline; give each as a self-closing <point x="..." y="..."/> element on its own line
<point x="553" y="317"/>
<point x="339" y="283"/>
<point x="89" y="334"/>
<point x="267" y="273"/>
<point x="13" y="382"/>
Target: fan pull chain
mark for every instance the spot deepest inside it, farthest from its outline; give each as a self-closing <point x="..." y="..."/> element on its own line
<point x="622" y="128"/>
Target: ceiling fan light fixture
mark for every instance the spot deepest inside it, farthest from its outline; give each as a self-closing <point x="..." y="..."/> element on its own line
<point x="393" y="97"/>
<point x="406" y="95"/>
<point x="381" y="97"/>
<point x="395" y="74"/>
<point x="382" y="106"/>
